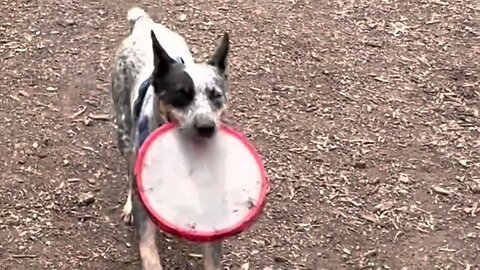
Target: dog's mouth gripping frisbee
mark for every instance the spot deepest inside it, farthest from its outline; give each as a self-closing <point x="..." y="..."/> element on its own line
<point x="201" y="191"/>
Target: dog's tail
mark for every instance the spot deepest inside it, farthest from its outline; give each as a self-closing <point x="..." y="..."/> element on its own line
<point x="135" y="14"/>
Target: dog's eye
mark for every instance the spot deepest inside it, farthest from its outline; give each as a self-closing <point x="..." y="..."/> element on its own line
<point x="214" y="95"/>
<point x="181" y="98"/>
<point x="182" y="93"/>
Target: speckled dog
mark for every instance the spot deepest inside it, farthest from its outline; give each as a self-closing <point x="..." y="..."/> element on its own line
<point x="155" y="80"/>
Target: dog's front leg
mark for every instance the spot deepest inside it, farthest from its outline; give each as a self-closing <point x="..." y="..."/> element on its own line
<point x="146" y="232"/>
<point x="148" y="247"/>
<point x="212" y="256"/>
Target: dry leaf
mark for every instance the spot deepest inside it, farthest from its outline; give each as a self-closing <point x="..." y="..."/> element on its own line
<point x="441" y="190"/>
<point x="245" y="266"/>
<point x="104" y="117"/>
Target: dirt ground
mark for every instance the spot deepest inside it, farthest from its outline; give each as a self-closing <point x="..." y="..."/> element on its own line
<point x="366" y="113"/>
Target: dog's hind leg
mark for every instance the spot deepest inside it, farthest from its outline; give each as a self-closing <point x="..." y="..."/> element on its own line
<point x="212" y="256"/>
<point x="122" y="82"/>
<point x="127" y="211"/>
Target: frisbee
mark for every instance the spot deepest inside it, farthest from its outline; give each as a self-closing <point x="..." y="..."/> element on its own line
<point x="201" y="191"/>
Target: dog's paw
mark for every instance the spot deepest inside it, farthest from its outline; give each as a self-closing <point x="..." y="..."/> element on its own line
<point x="154" y="267"/>
<point x="127" y="215"/>
<point x="127" y="218"/>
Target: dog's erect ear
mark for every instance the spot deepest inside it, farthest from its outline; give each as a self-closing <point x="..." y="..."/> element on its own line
<point x="161" y="59"/>
<point x="219" y="58"/>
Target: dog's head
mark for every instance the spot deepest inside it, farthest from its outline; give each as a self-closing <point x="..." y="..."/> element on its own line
<point x="192" y="95"/>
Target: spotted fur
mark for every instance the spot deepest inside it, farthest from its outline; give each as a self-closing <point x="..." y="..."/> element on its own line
<point x="177" y="89"/>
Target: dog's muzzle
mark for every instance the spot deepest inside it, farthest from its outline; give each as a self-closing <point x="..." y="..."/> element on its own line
<point x="204" y="125"/>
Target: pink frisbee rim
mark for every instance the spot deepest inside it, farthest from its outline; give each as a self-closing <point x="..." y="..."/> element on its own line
<point x="195" y="235"/>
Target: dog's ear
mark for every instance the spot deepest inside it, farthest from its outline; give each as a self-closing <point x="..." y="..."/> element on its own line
<point x="219" y="58"/>
<point x="161" y="60"/>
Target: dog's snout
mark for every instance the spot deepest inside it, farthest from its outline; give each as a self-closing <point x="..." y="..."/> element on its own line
<point x="205" y="126"/>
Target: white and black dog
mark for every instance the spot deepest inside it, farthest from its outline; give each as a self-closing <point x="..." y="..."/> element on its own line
<point x="154" y="80"/>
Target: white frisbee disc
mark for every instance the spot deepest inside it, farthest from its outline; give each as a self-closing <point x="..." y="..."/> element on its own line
<point x="201" y="192"/>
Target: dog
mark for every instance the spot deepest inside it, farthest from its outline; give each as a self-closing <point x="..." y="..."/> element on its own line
<point x="154" y="80"/>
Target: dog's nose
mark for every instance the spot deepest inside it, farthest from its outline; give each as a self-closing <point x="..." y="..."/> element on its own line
<point x="205" y="126"/>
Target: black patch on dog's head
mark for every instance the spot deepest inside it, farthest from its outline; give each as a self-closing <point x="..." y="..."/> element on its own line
<point x="170" y="81"/>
